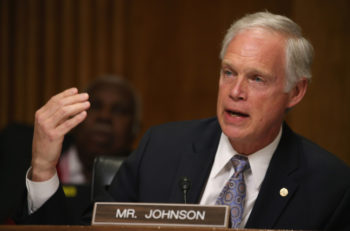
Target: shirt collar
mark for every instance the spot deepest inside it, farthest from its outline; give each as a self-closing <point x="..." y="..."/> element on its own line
<point x="259" y="161"/>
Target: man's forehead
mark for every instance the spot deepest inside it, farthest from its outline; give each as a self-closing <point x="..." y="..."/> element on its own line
<point x="251" y="42"/>
<point x="258" y="48"/>
<point x="110" y="94"/>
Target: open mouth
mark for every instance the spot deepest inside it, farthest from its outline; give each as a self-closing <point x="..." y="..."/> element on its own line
<point x="236" y="113"/>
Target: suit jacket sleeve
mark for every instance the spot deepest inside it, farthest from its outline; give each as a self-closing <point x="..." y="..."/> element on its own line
<point x="53" y="212"/>
<point x="340" y="219"/>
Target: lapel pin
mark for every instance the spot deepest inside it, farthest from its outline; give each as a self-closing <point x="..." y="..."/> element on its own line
<point x="283" y="192"/>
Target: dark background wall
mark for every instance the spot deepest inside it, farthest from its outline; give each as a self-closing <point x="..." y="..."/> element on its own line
<point x="168" y="49"/>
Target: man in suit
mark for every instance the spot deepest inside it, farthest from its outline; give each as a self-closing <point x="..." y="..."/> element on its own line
<point x="286" y="181"/>
<point x="109" y="130"/>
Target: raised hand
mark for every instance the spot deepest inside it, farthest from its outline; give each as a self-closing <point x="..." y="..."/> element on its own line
<point x="56" y="118"/>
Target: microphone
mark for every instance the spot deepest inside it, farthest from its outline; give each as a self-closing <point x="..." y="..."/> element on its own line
<point x="185" y="185"/>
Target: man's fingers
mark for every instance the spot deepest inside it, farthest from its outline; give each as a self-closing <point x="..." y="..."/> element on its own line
<point x="60" y="108"/>
<point x="63" y="94"/>
<point x="75" y="99"/>
<point x="66" y="112"/>
<point x="55" y="103"/>
<point x="70" y="123"/>
<point x="64" y="104"/>
<point x="59" y="101"/>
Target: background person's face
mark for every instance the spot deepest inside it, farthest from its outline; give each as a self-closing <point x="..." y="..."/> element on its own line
<point x="251" y="100"/>
<point x="107" y="129"/>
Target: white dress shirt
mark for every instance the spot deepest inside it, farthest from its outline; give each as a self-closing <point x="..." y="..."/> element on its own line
<point x="71" y="170"/>
<point x="222" y="170"/>
<point x="40" y="192"/>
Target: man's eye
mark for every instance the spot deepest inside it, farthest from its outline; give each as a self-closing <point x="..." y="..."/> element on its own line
<point x="120" y="110"/>
<point x="258" y="79"/>
<point x="227" y="73"/>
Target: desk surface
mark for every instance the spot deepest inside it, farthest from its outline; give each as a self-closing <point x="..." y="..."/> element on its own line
<point x="109" y="228"/>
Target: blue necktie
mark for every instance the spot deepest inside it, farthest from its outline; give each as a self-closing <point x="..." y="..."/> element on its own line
<point x="234" y="192"/>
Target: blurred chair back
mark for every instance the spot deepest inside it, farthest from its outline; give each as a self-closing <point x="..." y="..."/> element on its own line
<point x="104" y="169"/>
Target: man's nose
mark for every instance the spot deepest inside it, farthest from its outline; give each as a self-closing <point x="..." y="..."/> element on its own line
<point x="239" y="89"/>
<point x="105" y="113"/>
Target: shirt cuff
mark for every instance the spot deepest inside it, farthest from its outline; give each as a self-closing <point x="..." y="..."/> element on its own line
<point x="40" y="192"/>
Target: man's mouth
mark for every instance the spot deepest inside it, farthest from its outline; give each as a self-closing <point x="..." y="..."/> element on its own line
<point x="102" y="128"/>
<point x="236" y="113"/>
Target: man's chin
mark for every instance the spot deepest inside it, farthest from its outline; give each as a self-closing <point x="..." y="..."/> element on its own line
<point x="95" y="151"/>
<point x="236" y="134"/>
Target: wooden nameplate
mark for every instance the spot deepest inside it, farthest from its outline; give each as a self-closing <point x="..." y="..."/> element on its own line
<point x="115" y="213"/>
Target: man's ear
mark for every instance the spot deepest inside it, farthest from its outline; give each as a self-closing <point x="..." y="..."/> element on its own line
<point x="296" y="94"/>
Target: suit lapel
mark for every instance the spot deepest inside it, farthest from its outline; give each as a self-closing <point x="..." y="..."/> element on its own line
<point x="279" y="184"/>
<point x="282" y="173"/>
<point x="196" y="163"/>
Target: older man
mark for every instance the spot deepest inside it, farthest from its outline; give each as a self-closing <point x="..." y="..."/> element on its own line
<point x="246" y="158"/>
<point x="109" y="129"/>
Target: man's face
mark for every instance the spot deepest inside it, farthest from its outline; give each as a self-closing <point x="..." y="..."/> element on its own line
<point x="107" y="128"/>
<point x="251" y="100"/>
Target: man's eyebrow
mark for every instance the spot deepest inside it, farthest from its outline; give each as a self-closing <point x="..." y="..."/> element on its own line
<point x="225" y="63"/>
<point x="258" y="71"/>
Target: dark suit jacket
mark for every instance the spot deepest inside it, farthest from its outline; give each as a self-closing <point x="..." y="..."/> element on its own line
<point x="318" y="183"/>
<point x="15" y="158"/>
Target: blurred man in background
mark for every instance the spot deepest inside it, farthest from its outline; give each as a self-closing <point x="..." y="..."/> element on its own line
<point x="108" y="130"/>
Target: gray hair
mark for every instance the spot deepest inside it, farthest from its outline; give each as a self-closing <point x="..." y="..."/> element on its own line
<point x="299" y="51"/>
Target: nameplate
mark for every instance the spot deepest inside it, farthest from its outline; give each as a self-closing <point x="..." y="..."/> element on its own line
<point x="153" y="214"/>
